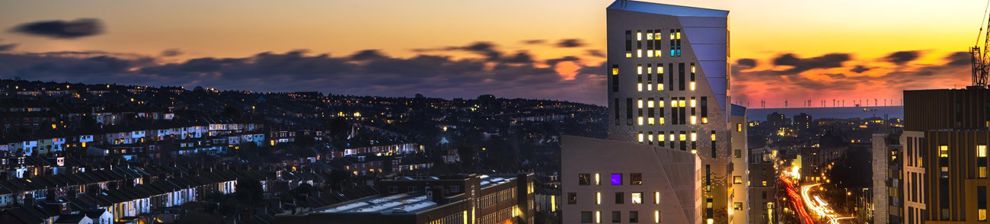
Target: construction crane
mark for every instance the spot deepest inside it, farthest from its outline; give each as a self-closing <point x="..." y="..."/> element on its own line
<point x="979" y="57"/>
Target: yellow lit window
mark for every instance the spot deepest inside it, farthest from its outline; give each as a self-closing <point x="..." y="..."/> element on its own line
<point x="693" y="86"/>
<point x="660" y="102"/>
<point x="981" y="214"/>
<point x="639" y="69"/>
<point x="981" y="151"/>
<point x="682" y="103"/>
<point x="649" y="53"/>
<point x="649" y="103"/>
<point x="692" y="69"/>
<point x="943" y="151"/>
<point x="704" y="120"/>
<point x="659" y="87"/>
<point x="678" y="35"/>
<point x="694" y="136"/>
<point x="598" y="216"/>
<point x="628" y="54"/>
<point x="739" y="127"/>
<point x="598" y="179"/>
<point x="649" y="137"/>
<point x="649" y="87"/>
<point x="661" y="138"/>
<point x="598" y="198"/>
<point x="639" y="121"/>
<point x="713" y="136"/>
<point x="639" y="53"/>
<point x="651" y="121"/>
<point x="981" y="172"/>
<point x="641" y="137"/>
<point x="639" y="103"/>
<point x="694" y="119"/>
<point x="639" y="87"/>
<point x="615" y="70"/>
<point x="694" y="103"/>
<point x="661" y="121"/>
<point x="683" y="137"/>
<point x="656" y="198"/>
<point x="656" y="216"/>
<point x="639" y="36"/>
<point x="649" y="36"/>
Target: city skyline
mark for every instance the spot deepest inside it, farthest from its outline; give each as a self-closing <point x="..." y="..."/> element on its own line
<point x="810" y="51"/>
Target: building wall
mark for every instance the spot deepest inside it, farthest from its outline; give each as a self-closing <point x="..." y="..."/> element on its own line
<point x="914" y="172"/>
<point x="763" y="205"/>
<point x="671" y="175"/>
<point x="740" y="180"/>
<point x="683" y="92"/>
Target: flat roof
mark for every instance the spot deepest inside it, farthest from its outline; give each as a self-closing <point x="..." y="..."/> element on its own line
<point x="391" y="204"/>
<point x="665" y="9"/>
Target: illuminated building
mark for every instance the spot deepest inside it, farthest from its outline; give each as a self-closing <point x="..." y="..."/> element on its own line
<point x="945" y="155"/>
<point x="667" y="89"/>
<point x="888" y="198"/>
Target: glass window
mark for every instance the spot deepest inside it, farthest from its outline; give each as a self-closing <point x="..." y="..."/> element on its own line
<point x="636" y="197"/>
<point x="620" y="198"/>
<point x="981" y="151"/>
<point x="737" y="180"/>
<point x="586" y="217"/>
<point x="943" y="151"/>
<point x="616" y="179"/>
<point x="616" y="216"/>
<point x="584" y="179"/>
<point x="635" y="179"/>
<point x="633" y="216"/>
<point x="571" y="198"/>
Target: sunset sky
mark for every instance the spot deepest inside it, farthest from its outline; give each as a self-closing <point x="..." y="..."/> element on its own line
<point x="548" y="49"/>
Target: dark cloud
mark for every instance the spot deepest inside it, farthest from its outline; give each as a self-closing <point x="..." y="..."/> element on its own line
<point x="534" y="41"/>
<point x="171" y="52"/>
<point x="959" y="58"/>
<point x="902" y="57"/>
<point x="746" y="63"/>
<point x="519" y="57"/>
<point x="7" y="47"/>
<point x="369" y="72"/>
<point x="859" y="69"/>
<point x="596" y="53"/>
<point x="569" y="43"/>
<point x="487" y="49"/>
<point x="798" y="65"/>
<point x="369" y="54"/>
<point x="554" y="61"/>
<point x="62" y="29"/>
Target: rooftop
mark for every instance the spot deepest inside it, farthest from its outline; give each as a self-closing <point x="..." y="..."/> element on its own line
<point x="665" y="9"/>
<point x="391" y="204"/>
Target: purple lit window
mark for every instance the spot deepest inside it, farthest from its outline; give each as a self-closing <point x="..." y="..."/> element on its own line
<point x="616" y="179"/>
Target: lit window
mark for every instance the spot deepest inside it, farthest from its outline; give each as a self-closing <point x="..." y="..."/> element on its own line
<point x="639" y="103"/>
<point x="641" y="137"/>
<point x="694" y="119"/>
<point x="636" y="198"/>
<point x="616" y="179"/>
<point x="598" y="198"/>
<point x="649" y="137"/>
<point x="660" y="87"/>
<point x="692" y="85"/>
<point x="656" y="198"/>
<point x="639" y="87"/>
<point x="651" y="121"/>
<point x="639" y="121"/>
<point x="598" y="216"/>
<point x="739" y="127"/>
<point x="943" y="151"/>
<point x="694" y="136"/>
<point x="693" y="102"/>
<point x="656" y="216"/>
<point x="598" y="179"/>
<point x="639" y="36"/>
<point x="615" y="70"/>
<point x="639" y="69"/>
<point x="683" y="137"/>
<point x="981" y="151"/>
<point x="737" y="180"/>
<point x="628" y="54"/>
<point x="713" y="135"/>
